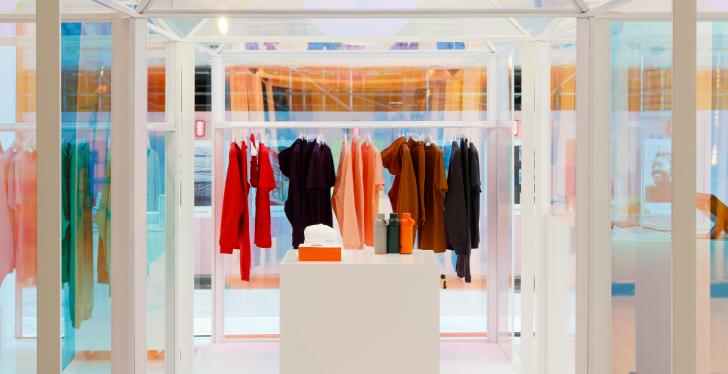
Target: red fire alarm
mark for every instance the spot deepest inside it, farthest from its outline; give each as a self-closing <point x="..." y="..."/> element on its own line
<point x="200" y="129"/>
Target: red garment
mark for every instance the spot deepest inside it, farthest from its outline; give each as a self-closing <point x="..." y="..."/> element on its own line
<point x="235" y="221"/>
<point x="261" y="177"/>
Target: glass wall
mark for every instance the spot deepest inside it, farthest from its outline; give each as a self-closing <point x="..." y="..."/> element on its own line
<point x="329" y="92"/>
<point x="86" y="119"/>
<point x="641" y="196"/>
<point x="18" y="253"/>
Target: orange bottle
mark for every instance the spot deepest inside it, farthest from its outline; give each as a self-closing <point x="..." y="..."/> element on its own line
<point x="406" y="233"/>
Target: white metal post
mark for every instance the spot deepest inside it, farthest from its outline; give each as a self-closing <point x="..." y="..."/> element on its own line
<point x="492" y="200"/>
<point x="528" y="213"/>
<point x="218" y="273"/>
<point x="48" y="102"/>
<point x="129" y="196"/>
<point x="684" y="136"/>
<point x="593" y="177"/>
<point x="172" y="204"/>
<point x="185" y="241"/>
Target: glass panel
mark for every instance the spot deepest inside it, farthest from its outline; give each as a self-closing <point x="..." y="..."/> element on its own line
<point x="157" y="82"/>
<point x="18" y="253"/>
<point x="86" y="111"/>
<point x="559" y="251"/>
<point x="404" y="93"/>
<point x="641" y="196"/>
<point x="712" y="187"/>
<point x="204" y="233"/>
<point x="161" y="220"/>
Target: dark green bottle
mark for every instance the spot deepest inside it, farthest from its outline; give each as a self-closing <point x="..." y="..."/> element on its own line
<point x="393" y="234"/>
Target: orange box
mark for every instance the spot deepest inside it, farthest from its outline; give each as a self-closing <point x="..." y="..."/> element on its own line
<point x="318" y="253"/>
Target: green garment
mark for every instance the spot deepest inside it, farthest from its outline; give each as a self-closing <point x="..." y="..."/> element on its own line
<point x="77" y="247"/>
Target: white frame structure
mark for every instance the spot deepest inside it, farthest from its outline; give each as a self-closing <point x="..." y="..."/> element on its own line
<point x="593" y="113"/>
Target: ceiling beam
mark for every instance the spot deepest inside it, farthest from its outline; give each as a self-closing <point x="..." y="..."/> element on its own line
<point x="117" y="7"/>
<point x="518" y="27"/>
<point x="388" y="13"/>
<point x="144" y="6"/>
<point x="580" y="5"/>
<point x="606" y="7"/>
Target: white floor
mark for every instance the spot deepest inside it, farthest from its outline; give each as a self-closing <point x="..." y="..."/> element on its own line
<point x="456" y="357"/>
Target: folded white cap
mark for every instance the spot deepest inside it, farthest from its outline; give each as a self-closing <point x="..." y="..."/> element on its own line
<point x="321" y="235"/>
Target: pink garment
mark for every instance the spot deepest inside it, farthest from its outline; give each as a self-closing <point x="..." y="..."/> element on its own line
<point x="373" y="175"/>
<point x="343" y="200"/>
<point x="7" y="250"/>
<point x="357" y="170"/>
<point x="22" y="198"/>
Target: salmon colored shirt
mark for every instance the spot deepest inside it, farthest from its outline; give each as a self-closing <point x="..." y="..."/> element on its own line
<point x="343" y="200"/>
<point x="22" y="198"/>
<point x="7" y="250"/>
<point x="358" y="177"/>
<point x="373" y="175"/>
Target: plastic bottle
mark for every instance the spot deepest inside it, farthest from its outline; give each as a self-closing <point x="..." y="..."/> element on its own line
<point x="406" y="233"/>
<point x="393" y="234"/>
<point x="380" y="235"/>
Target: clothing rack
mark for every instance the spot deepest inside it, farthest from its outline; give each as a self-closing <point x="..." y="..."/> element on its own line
<point x="362" y="124"/>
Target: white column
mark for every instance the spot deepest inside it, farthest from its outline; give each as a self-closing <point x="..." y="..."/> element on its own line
<point x="504" y="87"/>
<point x="684" y="259"/>
<point x="48" y="102"/>
<point x="593" y="167"/>
<point x="492" y="87"/>
<point x="218" y="274"/>
<point x="129" y="196"/>
<point x="185" y="241"/>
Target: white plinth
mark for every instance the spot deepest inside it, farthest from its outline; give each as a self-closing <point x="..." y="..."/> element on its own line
<point x="367" y="314"/>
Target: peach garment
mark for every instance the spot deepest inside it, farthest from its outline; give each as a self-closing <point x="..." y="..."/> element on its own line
<point x="22" y="198"/>
<point x="357" y="170"/>
<point x="343" y="200"/>
<point x="373" y="175"/>
<point x="7" y="251"/>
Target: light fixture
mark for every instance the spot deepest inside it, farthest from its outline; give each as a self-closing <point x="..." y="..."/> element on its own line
<point x="223" y="25"/>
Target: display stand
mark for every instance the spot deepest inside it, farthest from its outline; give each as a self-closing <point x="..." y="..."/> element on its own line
<point x="366" y="314"/>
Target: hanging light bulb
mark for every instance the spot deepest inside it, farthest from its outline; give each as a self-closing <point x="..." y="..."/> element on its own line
<point x="223" y="25"/>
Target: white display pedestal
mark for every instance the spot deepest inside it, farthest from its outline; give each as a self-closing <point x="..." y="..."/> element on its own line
<point x="366" y="314"/>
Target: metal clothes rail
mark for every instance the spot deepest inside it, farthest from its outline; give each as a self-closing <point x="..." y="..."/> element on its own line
<point x="362" y="124"/>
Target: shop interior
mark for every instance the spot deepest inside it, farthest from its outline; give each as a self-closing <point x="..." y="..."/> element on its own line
<point x="501" y="74"/>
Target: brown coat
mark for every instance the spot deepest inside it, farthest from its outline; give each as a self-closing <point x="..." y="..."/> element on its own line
<point x="418" y="162"/>
<point x="432" y="233"/>
<point x="397" y="158"/>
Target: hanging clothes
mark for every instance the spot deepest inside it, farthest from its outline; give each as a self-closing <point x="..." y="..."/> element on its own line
<point x="77" y="246"/>
<point x="234" y="223"/>
<point x="417" y="148"/>
<point x="22" y="199"/>
<point x="475" y="191"/>
<point x="432" y="232"/>
<point x="7" y="247"/>
<point x="463" y="261"/>
<point x="397" y="158"/>
<point x="262" y="178"/>
<point x="103" y="223"/>
<point x="456" y="207"/>
<point x="358" y="178"/>
<point x="292" y="166"/>
<point x="343" y="200"/>
<point x="373" y="176"/>
<point x="320" y="178"/>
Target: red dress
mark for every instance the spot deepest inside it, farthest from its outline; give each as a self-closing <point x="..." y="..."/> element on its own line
<point x="261" y="177"/>
<point x="235" y="221"/>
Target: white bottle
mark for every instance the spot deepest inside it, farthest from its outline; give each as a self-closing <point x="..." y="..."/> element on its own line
<point x="380" y="235"/>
